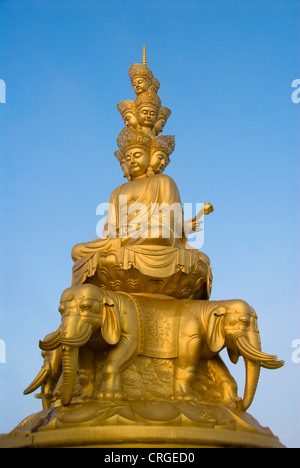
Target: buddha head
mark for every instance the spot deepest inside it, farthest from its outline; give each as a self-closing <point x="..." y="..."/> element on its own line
<point x="147" y="116"/>
<point x="141" y="77"/>
<point x="134" y="152"/>
<point x="140" y="84"/>
<point x="128" y="111"/>
<point x="119" y="156"/>
<point x="162" y="117"/>
<point x="161" y="149"/>
<point x="147" y="109"/>
<point x="136" y="160"/>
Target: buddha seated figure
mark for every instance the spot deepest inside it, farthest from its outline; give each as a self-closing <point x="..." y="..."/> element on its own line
<point x="144" y="247"/>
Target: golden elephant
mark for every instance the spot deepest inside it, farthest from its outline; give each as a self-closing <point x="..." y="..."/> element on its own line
<point x="126" y="325"/>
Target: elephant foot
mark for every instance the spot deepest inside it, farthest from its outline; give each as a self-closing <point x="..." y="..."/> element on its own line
<point x="230" y="403"/>
<point x="87" y="392"/>
<point x="111" y="395"/>
<point x="239" y="404"/>
<point x="183" y="396"/>
<point x="229" y="397"/>
<point x="183" y="391"/>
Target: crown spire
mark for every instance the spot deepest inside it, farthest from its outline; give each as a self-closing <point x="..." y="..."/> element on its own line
<point x="144" y="62"/>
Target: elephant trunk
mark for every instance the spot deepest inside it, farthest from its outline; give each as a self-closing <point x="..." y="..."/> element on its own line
<point x="250" y="349"/>
<point x="252" y="376"/>
<point x="69" y="364"/>
<point x="70" y="351"/>
<point x="254" y="359"/>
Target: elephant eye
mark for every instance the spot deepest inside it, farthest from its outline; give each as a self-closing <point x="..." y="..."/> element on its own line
<point x="85" y="303"/>
<point x="244" y="319"/>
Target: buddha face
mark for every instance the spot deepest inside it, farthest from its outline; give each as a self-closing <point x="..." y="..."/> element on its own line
<point x="130" y="119"/>
<point x="137" y="161"/>
<point x="140" y="85"/>
<point x="159" y="125"/>
<point x="147" y="116"/>
<point x="158" y="161"/>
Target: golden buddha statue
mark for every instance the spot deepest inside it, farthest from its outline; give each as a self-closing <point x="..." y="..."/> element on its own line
<point x="136" y="359"/>
<point x="145" y="218"/>
<point x="145" y="235"/>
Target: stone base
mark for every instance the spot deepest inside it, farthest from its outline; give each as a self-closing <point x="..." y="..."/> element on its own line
<point x="140" y="424"/>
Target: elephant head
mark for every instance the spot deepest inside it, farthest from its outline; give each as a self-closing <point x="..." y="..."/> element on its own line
<point x="234" y="325"/>
<point x="85" y="310"/>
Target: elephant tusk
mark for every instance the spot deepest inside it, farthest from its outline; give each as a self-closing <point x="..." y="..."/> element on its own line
<point x="272" y="364"/>
<point x="53" y="342"/>
<point x="247" y="350"/>
<point x="80" y="339"/>
<point x="37" y="382"/>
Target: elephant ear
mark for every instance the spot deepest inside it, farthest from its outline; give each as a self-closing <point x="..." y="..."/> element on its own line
<point x="110" y="329"/>
<point x="216" y="330"/>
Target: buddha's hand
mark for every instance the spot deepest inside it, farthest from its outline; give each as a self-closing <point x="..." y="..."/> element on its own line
<point x="192" y="225"/>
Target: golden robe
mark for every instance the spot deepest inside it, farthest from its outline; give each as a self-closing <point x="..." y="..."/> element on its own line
<point x="147" y="233"/>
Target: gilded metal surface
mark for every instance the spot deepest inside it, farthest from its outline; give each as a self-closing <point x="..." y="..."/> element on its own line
<point x="138" y="344"/>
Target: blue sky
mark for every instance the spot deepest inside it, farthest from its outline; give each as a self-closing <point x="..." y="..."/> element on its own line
<point x="226" y="69"/>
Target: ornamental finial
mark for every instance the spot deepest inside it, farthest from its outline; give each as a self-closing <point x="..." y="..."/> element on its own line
<point x="144" y="62"/>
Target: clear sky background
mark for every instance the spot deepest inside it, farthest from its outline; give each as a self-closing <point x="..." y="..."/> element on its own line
<point x="226" y="69"/>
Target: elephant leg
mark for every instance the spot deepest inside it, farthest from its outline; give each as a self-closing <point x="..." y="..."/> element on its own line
<point x="86" y="372"/>
<point x="118" y="358"/>
<point x="185" y="364"/>
<point x="224" y="380"/>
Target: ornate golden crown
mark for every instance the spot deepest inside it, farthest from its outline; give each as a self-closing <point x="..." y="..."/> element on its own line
<point x="128" y="138"/>
<point x="164" y="113"/>
<point x="136" y="69"/>
<point x="165" y="143"/>
<point x="148" y="98"/>
<point x="126" y="106"/>
<point x="119" y="155"/>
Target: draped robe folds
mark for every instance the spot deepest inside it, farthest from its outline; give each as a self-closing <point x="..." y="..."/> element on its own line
<point x="147" y="233"/>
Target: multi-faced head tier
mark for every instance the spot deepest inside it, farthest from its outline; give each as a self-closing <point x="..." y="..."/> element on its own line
<point x="144" y="120"/>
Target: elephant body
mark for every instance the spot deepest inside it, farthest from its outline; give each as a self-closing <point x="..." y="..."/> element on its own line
<point x="127" y="325"/>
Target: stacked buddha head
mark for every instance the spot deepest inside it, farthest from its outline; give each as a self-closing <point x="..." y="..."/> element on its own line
<point x="154" y="151"/>
<point x="144" y="116"/>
